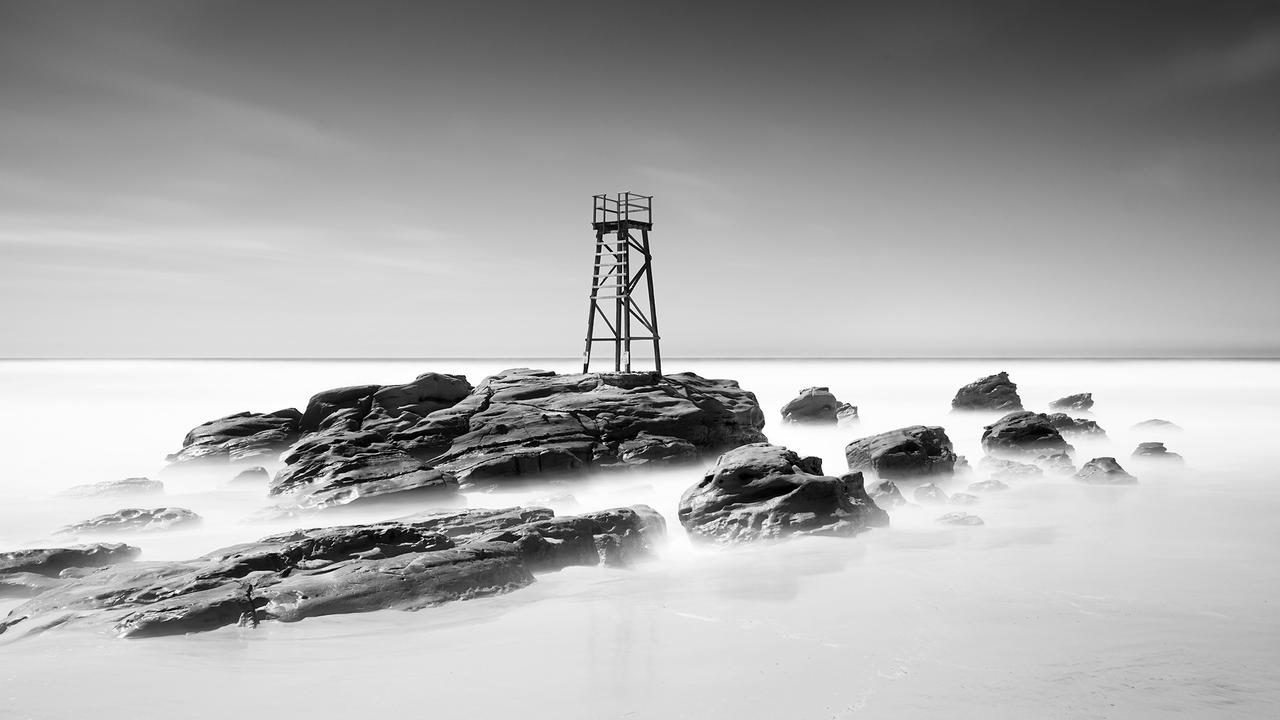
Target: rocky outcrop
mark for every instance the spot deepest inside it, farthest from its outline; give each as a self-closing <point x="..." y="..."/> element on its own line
<point x="912" y="452"/>
<point x="959" y="518"/>
<point x="1009" y="470"/>
<point x="1080" y="402"/>
<point x="389" y="410"/>
<point x="408" y="564"/>
<point x="930" y="494"/>
<point x="239" y="438"/>
<point x="1104" y="471"/>
<point x="256" y="475"/>
<point x="1067" y="425"/>
<point x="524" y="423"/>
<point x="1156" y="451"/>
<point x="813" y="405"/>
<point x="115" y="488"/>
<point x="763" y="491"/>
<point x="847" y="415"/>
<point x="337" y="467"/>
<point x="1156" y="424"/>
<point x="994" y="393"/>
<point x="135" y="520"/>
<point x="1023" y="435"/>
<point x="24" y="573"/>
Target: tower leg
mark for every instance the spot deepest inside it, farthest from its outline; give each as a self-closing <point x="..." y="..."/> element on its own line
<point x="591" y="307"/>
<point x="653" y="305"/>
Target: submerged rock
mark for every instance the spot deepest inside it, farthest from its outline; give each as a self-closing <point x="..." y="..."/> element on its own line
<point x="763" y="491"/>
<point x="994" y="393"/>
<point x="116" y="488"/>
<point x="410" y="564"/>
<point x="1010" y="470"/>
<point x="847" y="415"/>
<point x="1023" y="434"/>
<point x="959" y="518"/>
<point x="965" y="499"/>
<point x="887" y="494"/>
<point x="1080" y="402"/>
<point x="24" y="573"/>
<point x="1155" y="451"/>
<point x="912" y="452"/>
<point x="1157" y="424"/>
<point x="813" y="405"/>
<point x="1057" y="463"/>
<point x="237" y="438"/>
<point x="336" y="467"/>
<point x="256" y="475"/>
<point x="135" y="520"/>
<point x="1105" y="471"/>
<point x="930" y="495"/>
<point x="986" y="486"/>
<point x="1068" y="425"/>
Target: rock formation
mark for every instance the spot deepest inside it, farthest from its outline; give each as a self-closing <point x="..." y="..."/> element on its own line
<point x="918" y="451"/>
<point x="24" y="573"/>
<point x="930" y="494"/>
<point x="847" y="415"/>
<point x="1023" y="435"/>
<point x="1080" y="402"/>
<point x="1157" y="424"/>
<point x="336" y="467"/>
<point x="994" y="393"/>
<point x="1067" y="425"/>
<point x="135" y="520"/>
<point x="238" y="438"/>
<point x="959" y="518"/>
<point x="1105" y="471"/>
<point x="813" y="405"/>
<point x="116" y="488"/>
<point x="1155" y="451"/>
<point x="763" y="491"/>
<point x="1009" y="470"/>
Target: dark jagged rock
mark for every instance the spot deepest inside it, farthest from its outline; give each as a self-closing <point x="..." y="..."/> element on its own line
<point x="965" y="499"/>
<point x="930" y="494"/>
<point x="1067" y="425"/>
<point x="911" y="452"/>
<point x="1023" y="434"/>
<point x="1080" y="402"/>
<point x="1155" y="451"/>
<point x="116" y="488"/>
<point x="959" y="518"/>
<point x="847" y="415"/>
<point x="1007" y="470"/>
<point x="326" y="403"/>
<point x="887" y="494"/>
<point x="530" y="422"/>
<point x="256" y="475"/>
<point x="1105" y="471"/>
<point x="1156" y="424"/>
<point x="986" y="486"/>
<point x="135" y="520"/>
<point x="813" y="405"/>
<point x="411" y="564"/>
<point x="239" y="438"/>
<point x="994" y="393"/>
<point x="763" y="491"/>
<point x="336" y="467"/>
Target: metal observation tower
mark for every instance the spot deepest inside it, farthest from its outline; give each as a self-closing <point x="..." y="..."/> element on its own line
<point x="619" y="291"/>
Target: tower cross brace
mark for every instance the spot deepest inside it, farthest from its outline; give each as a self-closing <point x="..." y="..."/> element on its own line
<point x="618" y="291"/>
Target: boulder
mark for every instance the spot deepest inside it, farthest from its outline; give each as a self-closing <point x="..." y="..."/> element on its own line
<point x="1104" y="471"/>
<point x="1080" y="402"/>
<point x="323" y="405"/>
<point x="761" y="491"/>
<point x="1057" y="463"/>
<point x="256" y="475"/>
<point x="918" y="451"/>
<point x="523" y="423"/>
<point x="986" y="486"/>
<point x="994" y="393"/>
<point x="408" y="565"/>
<point x="1067" y="425"/>
<point x="1156" y="424"/>
<point x="1155" y="451"/>
<point x="1010" y="470"/>
<point x="959" y="518"/>
<point x="847" y="415"/>
<point x="930" y="494"/>
<point x="965" y="499"/>
<point x="1023" y="434"/>
<point x="813" y="405"/>
<point x="237" y="438"/>
<point x="115" y="488"/>
<point x="337" y="467"/>
<point x="135" y="520"/>
<point x="886" y="494"/>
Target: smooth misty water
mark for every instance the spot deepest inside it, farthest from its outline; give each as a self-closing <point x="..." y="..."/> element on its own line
<point x="1072" y="601"/>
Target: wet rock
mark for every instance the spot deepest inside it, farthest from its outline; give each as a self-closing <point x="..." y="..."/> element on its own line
<point x="1080" y="402"/>
<point x="959" y="518"/>
<point x="1055" y="463"/>
<point x="813" y="405"/>
<point x="847" y="415"/>
<point x="964" y="499"/>
<point x="525" y="423"/>
<point x="930" y="494"/>
<point x="646" y="448"/>
<point x="1023" y="434"/>
<point x="1067" y="425"/>
<point x="1105" y="471"/>
<point x="994" y="393"/>
<point x="337" y="467"/>
<point x="238" y="438"/>
<point x="50" y="562"/>
<point x="324" y="404"/>
<point x="763" y="491"/>
<point x="1010" y="470"/>
<point x="886" y="494"/>
<point x="614" y="537"/>
<point x="987" y="486"/>
<point x="911" y="452"/>
<point x="1155" y="451"/>
<point x="135" y="520"/>
<point x="115" y="488"/>
<point x="397" y="409"/>
<point x="256" y="475"/>
<point x="1156" y="424"/>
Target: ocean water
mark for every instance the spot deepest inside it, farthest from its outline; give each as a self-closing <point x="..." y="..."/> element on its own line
<point x="1155" y="600"/>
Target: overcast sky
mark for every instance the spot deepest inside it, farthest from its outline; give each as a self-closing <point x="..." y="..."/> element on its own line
<point x="833" y="179"/>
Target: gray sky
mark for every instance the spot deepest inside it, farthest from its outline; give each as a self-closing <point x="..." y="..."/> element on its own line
<point x="852" y="179"/>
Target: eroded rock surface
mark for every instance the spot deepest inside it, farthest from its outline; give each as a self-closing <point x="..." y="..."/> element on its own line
<point x="1104" y="471"/>
<point x="994" y="393"/>
<point x="1067" y="425"/>
<point x="134" y="520"/>
<point x="813" y="405"/>
<point x="959" y="518"/>
<point x="1080" y="402"/>
<point x="242" y="437"/>
<point x="918" y="451"/>
<point x="847" y="415"/>
<point x="763" y="491"/>
<point x="1158" y="425"/>
<point x="24" y="573"/>
<point x="1023" y="434"/>
<point x="116" y="488"/>
<point x="337" y="467"/>
<point x="1155" y="451"/>
<point x="1010" y="470"/>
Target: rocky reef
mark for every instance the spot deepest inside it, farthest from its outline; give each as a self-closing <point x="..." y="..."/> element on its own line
<point x="994" y="393"/>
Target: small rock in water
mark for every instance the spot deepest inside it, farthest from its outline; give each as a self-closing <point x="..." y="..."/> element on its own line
<point x="1105" y="471"/>
<point x="994" y="393"/>
<point x="847" y="415"/>
<point x="930" y="495"/>
<point x="135" y="520"/>
<point x="813" y="405"/>
<point x="1000" y="469"/>
<point x="1068" y="425"/>
<point x="1080" y="402"/>
<point x="1058" y="463"/>
<point x="964" y="499"/>
<point x="1023" y="434"/>
<point x="910" y="452"/>
<point x="887" y="494"/>
<point x="959" y="518"/>
<point x="1157" y="424"/>
<point x="256" y="475"/>
<point x="1155" y="451"/>
<point x="986" y="486"/>
<point x="112" y="488"/>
